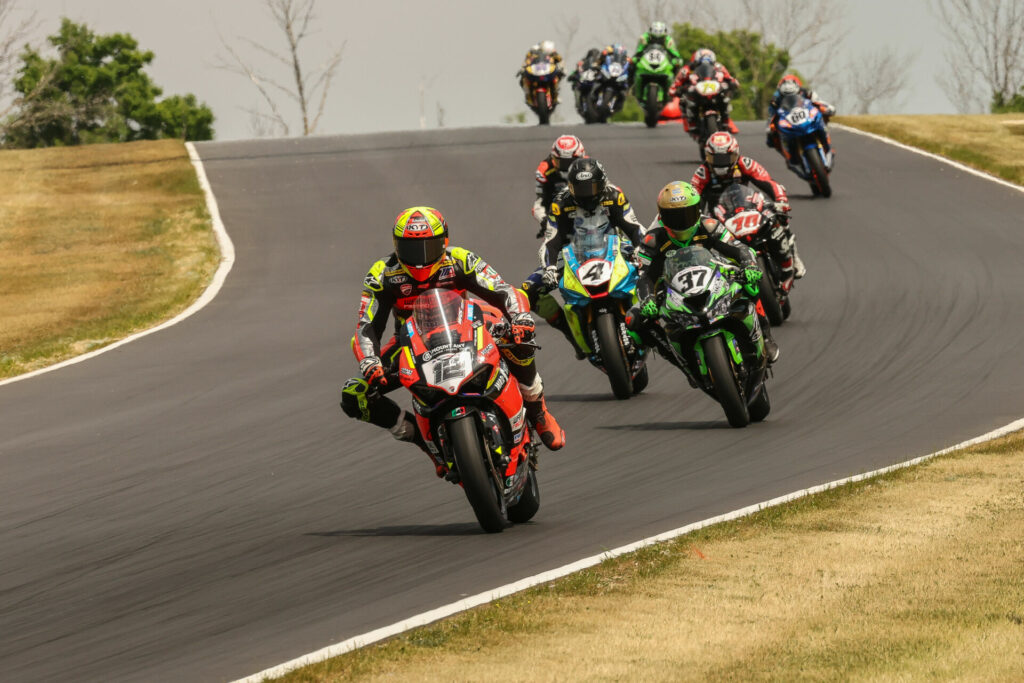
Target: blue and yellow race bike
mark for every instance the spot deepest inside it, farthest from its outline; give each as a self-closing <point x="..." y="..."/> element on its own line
<point x="598" y="285"/>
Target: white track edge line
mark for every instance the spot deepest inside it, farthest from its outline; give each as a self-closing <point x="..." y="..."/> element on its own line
<point x="931" y="155"/>
<point x="227" y="260"/>
<point x="425" y="618"/>
<point x="433" y="615"/>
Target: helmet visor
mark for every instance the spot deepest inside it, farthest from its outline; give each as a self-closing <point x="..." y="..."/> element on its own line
<point x="419" y="251"/>
<point x="681" y="223"/>
<point x="721" y="163"/>
<point x="586" y="192"/>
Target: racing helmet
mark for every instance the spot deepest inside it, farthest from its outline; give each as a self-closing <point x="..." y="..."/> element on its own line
<point x="704" y="55"/>
<point x="787" y="87"/>
<point x="565" y="150"/>
<point x="679" y="211"/>
<point x="658" y="31"/>
<point x="547" y="46"/>
<point x="587" y="182"/>
<point x="790" y="78"/>
<point x="421" y="241"/>
<point x="721" y="152"/>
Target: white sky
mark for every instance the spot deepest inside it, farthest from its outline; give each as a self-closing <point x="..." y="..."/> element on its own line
<point x="465" y="51"/>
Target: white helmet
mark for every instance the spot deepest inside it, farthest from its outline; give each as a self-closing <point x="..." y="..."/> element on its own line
<point x="547" y="46"/>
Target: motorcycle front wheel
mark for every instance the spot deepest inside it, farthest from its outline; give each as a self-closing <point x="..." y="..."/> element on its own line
<point x="652" y="105"/>
<point x="724" y="379"/>
<point x="481" y="489"/>
<point x="613" y="356"/>
<point x="819" y="176"/>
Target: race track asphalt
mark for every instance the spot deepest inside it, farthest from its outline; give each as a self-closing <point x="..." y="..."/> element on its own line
<point x="194" y="505"/>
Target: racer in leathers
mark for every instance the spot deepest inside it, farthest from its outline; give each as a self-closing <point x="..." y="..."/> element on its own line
<point x="658" y="33"/>
<point x="423" y="260"/>
<point x="541" y="49"/>
<point x="791" y="85"/>
<point x="588" y="195"/>
<point x="552" y="175"/>
<point x="681" y="223"/>
<point x="685" y="87"/>
<point x="724" y="166"/>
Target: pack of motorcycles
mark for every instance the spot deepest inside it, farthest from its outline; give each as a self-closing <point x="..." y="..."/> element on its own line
<point x="707" y="322"/>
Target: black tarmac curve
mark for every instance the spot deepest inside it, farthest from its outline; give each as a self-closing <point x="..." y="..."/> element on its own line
<point x="194" y="505"/>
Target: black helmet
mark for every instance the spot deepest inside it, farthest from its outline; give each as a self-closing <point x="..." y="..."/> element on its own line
<point x="587" y="182"/>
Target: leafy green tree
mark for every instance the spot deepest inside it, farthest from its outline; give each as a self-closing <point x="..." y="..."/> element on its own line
<point x="1007" y="105"/>
<point x="756" y="64"/>
<point x="96" y="90"/>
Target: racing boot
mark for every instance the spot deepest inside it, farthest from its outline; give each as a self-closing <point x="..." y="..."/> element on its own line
<point x="799" y="269"/>
<point x="771" y="349"/>
<point x="544" y="423"/>
<point x="405" y="430"/>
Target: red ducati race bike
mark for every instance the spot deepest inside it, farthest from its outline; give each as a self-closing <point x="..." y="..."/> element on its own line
<point x="468" y="406"/>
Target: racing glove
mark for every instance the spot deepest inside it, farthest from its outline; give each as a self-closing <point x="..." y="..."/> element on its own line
<point x="523" y="328"/>
<point x="373" y="371"/>
<point x="551" y="276"/>
<point x="752" y="275"/>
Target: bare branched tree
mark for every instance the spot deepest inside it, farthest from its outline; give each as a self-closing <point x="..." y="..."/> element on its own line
<point x="809" y="30"/>
<point x="13" y="35"/>
<point x="566" y="29"/>
<point x="636" y="17"/>
<point x="294" y="18"/>
<point x="876" y="77"/>
<point x="986" y="43"/>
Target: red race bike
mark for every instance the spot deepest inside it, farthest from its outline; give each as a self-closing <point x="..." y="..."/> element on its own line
<point x="468" y="405"/>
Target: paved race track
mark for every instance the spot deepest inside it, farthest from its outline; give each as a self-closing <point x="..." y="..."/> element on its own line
<point x="194" y="505"/>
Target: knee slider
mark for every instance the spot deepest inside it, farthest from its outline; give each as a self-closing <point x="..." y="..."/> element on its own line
<point x="354" y="401"/>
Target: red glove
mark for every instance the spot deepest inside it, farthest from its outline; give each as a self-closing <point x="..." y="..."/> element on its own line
<point x="523" y="328"/>
<point x="373" y="371"/>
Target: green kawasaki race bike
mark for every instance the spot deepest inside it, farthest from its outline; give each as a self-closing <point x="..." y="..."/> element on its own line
<point x="713" y="333"/>
<point x="654" y="75"/>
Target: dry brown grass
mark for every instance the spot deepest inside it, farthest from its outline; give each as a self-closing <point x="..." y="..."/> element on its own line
<point x="97" y="242"/>
<point x="915" y="575"/>
<point x="988" y="142"/>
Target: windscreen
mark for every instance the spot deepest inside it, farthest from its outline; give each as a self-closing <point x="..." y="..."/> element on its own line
<point x="705" y="71"/>
<point x="790" y="102"/>
<point x="739" y="197"/>
<point x="437" y="314"/>
<point x="587" y="244"/>
<point x="687" y="257"/>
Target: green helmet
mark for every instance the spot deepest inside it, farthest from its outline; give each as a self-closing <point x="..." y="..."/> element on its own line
<point x="679" y="211"/>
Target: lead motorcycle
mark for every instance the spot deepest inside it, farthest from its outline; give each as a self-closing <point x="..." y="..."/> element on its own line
<point x="598" y="285"/>
<point x="654" y="75"/>
<point x="713" y="333"/>
<point x="805" y="142"/>
<point x="748" y="215"/>
<point x="540" y="86"/>
<point x="468" y="406"/>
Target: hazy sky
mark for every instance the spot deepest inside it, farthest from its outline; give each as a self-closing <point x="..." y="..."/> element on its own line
<point x="465" y="51"/>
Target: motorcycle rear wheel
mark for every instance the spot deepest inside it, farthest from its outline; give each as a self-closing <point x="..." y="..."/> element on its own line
<point x="652" y="106"/>
<point x="772" y="307"/>
<point x="613" y="356"/>
<point x="724" y="379"/>
<point x="819" y="176"/>
<point x="529" y="503"/>
<point x="760" y="406"/>
<point x="480" y="488"/>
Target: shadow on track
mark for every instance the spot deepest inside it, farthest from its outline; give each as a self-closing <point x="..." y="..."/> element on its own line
<point x="466" y="529"/>
<point x="582" y="398"/>
<point x="667" y="426"/>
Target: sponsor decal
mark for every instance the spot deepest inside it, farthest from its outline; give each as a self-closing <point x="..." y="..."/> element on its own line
<point x="372" y="283"/>
<point x="621" y="199"/>
<point x="406" y="371"/>
<point x="406" y="289"/>
<point x="584" y="175"/>
<point x="458" y="412"/>
<point x="555" y="209"/>
<point x="446" y="272"/>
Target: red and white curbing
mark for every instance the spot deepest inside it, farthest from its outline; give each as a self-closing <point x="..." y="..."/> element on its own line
<point x="227" y="260"/>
